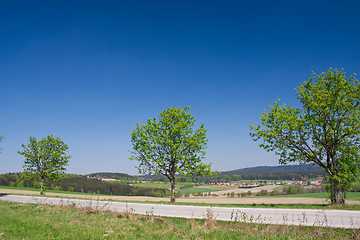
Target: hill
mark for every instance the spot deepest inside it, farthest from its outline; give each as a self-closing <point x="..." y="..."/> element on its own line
<point x="295" y="169"/>
<point x="283" y="172"/>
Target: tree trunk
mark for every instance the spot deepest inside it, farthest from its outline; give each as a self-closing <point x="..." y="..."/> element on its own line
<point x="172" y="198"/>
<point x="337" y="193"/>
<point x="42" y="186"/>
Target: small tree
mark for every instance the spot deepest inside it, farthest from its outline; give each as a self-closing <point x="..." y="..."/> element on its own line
<point x="325" y="131"/>
<point x="45" y="159"/>
<point x="170" y="146"/>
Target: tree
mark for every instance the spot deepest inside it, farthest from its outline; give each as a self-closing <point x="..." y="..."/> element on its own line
<point x="170" y="146"/>
<point x="325" y="131"/>
<point x="45" y="159"/>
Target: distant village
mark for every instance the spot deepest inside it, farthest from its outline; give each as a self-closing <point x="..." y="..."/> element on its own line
<point x="261" y="183"/>
<point x="241" y="184"/>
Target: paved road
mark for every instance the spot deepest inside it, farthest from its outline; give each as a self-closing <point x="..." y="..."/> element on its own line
<point x="308" y="217"/>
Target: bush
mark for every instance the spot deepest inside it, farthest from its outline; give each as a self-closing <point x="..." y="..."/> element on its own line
<point x="177" y="194"/>
<point x="264" y="192"/>
<point x="275" y="192"/>
<point x="186" y="186"/>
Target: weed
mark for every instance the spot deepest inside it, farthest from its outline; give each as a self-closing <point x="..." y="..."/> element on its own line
<point x="210" y="219"/>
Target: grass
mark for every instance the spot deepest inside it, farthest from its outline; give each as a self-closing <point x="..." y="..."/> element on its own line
<point x="263" y="205"/>
<point x="51" y="191"/>
<point x="30" y="221"/>
<point x="349" y="196"/>
<point x="158" y="185"/>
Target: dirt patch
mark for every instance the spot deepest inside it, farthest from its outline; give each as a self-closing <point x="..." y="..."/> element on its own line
<point x="269" y="188"/>
<point x="215" y="200"/>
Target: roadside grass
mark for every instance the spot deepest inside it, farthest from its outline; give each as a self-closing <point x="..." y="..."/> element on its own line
<point x="349" y="196"/>
<point x="51" y="191"/>
<point x="31" y="221"/>
<point x="262" y="205"/>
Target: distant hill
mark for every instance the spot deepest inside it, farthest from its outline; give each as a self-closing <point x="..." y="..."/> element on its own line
<point x="298" y="169"/>
<point x="283" y="172"/>
<point x="110" y="175"/>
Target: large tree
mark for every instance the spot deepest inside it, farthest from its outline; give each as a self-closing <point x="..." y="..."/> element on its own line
<point x="325" y="130"/>
<point x="45" y="159"/>
<point x="169" y="145"/>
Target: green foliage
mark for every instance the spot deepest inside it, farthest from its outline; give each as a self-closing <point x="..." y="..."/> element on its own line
<point x="81" y="184"/>
<point x="46" y="158"/>
<point x="264" y="192"/>
<point x="169" y="145"/>
<point x="325" y="131"/>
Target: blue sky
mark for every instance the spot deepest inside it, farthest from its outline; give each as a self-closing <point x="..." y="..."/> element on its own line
<point x="86" y="71"/>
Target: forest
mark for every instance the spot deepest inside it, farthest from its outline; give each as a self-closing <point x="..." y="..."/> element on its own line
<point x="83" y="184"/>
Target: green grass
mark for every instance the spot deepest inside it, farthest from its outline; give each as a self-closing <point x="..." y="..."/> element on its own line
<point x="51" y="191"/>
<point x="30" y="221"/>
<point x="158" y="185"/>
<point x="262" y="205"/>
<point x="349" y="196"/>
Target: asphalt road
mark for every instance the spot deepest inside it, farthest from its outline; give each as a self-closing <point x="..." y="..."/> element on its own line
<point x="306" y="217"/>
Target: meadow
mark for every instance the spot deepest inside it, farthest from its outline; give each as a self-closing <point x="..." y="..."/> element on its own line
<point x="30" y="221"/>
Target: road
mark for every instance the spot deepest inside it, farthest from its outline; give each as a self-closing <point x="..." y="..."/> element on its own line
<point x="306" y="217"/>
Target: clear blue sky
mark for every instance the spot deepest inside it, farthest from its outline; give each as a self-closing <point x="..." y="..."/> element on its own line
<point x="86" y="71"/>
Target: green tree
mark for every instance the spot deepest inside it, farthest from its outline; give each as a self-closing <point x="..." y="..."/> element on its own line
<point x="45" y="159"/>
<point x="170" y="146"/>
<point x="324" y="131"/>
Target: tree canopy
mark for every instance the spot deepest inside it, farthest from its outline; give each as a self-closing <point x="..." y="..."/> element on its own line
<point x="324" y="131"/>
<point x="169" y="145"/>
<point x="46" y="158"/>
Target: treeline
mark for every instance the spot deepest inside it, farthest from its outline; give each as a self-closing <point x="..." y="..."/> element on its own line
<point x="286" y="172"/>
<point x="237" y="177"/>
<point x="111" y="175"/>
<point x="259" y="176"/>
<point x="83" y="184"/>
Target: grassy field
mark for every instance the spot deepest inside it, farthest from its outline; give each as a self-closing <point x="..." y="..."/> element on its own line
<point x="349" y="196"/>
<point x="190" y="190"/>
<point x="193" y="190"/>
<point x="158" y="185"/>
<point x="30" y="221"/>
<point x="50" y="191"/>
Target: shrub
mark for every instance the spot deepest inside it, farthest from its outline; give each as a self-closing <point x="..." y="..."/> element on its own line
<point x="263" y="192"/>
